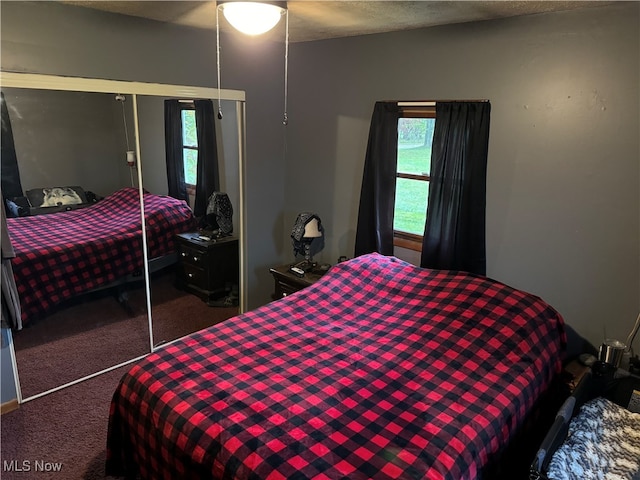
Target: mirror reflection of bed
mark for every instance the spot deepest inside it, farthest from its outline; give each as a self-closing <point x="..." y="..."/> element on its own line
<point x="85" y="321"/>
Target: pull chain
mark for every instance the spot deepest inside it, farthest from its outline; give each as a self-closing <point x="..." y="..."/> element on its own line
<point x="124" y="120"/>
<point x="218" y="60"/>
<point x="285" y="121"/>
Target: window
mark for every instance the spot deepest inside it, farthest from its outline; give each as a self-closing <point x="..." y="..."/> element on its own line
<point x="189" y="146"/>
<point x="415" y="136"/>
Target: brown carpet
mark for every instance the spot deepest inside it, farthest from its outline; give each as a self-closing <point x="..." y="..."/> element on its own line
<point x="69" y="427"/>
<point x="98" y="332"/>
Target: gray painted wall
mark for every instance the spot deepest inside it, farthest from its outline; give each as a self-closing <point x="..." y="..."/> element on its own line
<point x="51" y="38"/>
<point x="563" y="183"/>
<point x="563" y="201"/>
<point x="47" y="37"/>
<point x="68" y="138"/>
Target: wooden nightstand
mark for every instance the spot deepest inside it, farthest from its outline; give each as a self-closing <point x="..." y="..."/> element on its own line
<point x="574" y="371"/>
<point x="287" y="283"/>
<point x="205" y="268"/>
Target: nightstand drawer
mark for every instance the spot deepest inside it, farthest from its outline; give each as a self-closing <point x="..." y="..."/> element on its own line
<point x="192" y="275"/>
<point x="206" y="268"/>
<point x="284" y="289"/>
<point x="287" y="283"/>
<point x="192" y="256"/>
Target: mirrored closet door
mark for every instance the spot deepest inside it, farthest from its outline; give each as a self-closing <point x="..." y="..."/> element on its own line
<point x="92" y="277"/>
<point x="202" y="287"/>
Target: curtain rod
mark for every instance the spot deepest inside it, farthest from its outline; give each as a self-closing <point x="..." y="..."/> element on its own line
<point x="432" y="103"/>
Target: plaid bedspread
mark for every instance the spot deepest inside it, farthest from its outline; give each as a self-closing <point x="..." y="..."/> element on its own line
<point x="379" y="370"/>
<point x="61" y="255"/>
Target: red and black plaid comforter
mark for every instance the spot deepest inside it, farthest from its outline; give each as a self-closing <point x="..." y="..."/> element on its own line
<point x="61" y="255"/>
<point x="379" y="370"/>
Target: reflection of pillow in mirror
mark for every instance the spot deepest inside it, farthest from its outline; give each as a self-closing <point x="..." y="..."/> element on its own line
<point x="12" y="209"/>
<point x="56" y="196"/>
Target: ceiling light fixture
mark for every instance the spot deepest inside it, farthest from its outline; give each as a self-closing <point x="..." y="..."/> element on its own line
<point x="254" y="18"/>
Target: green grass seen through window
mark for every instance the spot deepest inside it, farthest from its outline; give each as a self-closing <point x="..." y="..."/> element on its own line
<point x="411" y="195"/>
<point x="189" y="139"/>
<point x="414" y="159"/>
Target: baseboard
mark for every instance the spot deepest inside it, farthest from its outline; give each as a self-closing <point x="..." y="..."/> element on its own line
<point x="9" y="406"/>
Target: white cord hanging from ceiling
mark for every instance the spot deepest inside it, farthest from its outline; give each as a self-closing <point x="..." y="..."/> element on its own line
<point x="277" y="9"/>
<point x="130" y="155"/>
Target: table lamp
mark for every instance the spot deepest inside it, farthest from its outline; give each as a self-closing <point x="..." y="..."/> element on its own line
<point x="308" y="239"/>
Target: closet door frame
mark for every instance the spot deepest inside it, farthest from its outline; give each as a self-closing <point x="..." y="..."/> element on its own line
<point x="94" y="85"/>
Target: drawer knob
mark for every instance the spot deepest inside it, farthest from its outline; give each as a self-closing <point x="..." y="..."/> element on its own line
<point x="196" y="259"/>
<point x="190" y="275"/>
<point x="183" y="254"/>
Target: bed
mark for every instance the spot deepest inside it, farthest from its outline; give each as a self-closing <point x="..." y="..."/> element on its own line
<point x="596" y="432"/>
<point x="61" y="255"/>
<point x="378" y="370"/>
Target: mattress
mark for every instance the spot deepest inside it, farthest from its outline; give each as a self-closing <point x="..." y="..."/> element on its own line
<point x="61" y="255"/>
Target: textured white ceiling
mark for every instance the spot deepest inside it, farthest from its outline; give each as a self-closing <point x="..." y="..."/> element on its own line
<point x="316" y="20"/>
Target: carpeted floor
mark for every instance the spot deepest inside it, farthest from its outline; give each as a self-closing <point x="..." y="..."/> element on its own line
<point x="67" y="429"/>
<point x="98" y="332"/>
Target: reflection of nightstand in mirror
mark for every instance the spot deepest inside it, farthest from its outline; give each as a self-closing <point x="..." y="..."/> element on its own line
<point x="206" y="267"/>
<point x="286" y="282"/>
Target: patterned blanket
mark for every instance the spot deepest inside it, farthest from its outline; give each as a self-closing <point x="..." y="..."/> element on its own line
<point x="64" y="254"/>
<point x="603" y="443"/>
<point x="379" y="370"/>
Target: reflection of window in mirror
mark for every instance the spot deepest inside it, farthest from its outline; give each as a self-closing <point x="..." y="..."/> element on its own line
<point x="189" y="146"/>
<point x="80" y="142"/>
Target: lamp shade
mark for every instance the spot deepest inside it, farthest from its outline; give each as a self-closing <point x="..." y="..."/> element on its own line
<point x="312" y="229"/>
<point x="307" y="234"/>
<point x="252" y="18"/>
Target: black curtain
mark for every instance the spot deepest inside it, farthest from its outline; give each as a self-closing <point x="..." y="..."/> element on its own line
<point x="11" y="185"/>
<point x="208" y="178"/>
<point x="377" y="196"/>
<point x="10" y="300"/>
<point x="173" y="150"/>
<point x="454" y="237"/>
